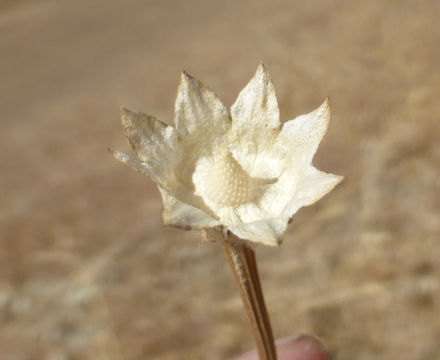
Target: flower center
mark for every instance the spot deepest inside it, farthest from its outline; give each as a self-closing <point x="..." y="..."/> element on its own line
<point x="221" y="181"/>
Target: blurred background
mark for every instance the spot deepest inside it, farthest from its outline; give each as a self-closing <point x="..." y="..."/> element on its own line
<point x="88" y="271"/>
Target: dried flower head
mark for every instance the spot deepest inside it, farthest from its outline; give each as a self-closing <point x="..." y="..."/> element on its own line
<point x="240" y="171"/>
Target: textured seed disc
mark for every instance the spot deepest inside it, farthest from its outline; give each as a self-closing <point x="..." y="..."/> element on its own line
<point x="224" y="182"/>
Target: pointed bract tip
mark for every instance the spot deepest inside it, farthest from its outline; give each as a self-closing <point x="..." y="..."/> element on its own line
<point x="261" y="66"/>
<point x="186" y="80"/>
<point x="261" y="70"/>
<point x="185" y="76"/>
<point x="127" y="116"/>
<point x="340" y="179"/>
<point x="127" y="113"/>
<point x="116" y="154"/>
<point x="125" y="110"/>
<point x="113" y="152"/>
<point x="325" y="106"/>
<point x="273" y="243"/>
<point x="280" y="241"/>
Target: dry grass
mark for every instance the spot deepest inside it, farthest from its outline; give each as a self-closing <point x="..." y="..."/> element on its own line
<point x="87" y="271"/>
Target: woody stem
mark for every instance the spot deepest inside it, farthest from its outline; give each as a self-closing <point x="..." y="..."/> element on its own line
<point x="244" y="266"/>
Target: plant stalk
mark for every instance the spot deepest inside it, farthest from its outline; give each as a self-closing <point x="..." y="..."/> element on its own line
<point x="244" y="266"/>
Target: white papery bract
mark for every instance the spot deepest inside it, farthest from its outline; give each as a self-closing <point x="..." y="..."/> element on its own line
<point x="240" y="171"/>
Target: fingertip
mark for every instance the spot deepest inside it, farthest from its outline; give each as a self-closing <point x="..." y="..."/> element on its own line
<point x="303" y="347"/>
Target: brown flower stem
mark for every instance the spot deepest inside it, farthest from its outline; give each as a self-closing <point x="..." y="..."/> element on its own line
<point x="244" y="266"/>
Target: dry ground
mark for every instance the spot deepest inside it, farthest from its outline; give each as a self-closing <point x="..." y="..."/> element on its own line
<point x="87" y="271"/>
